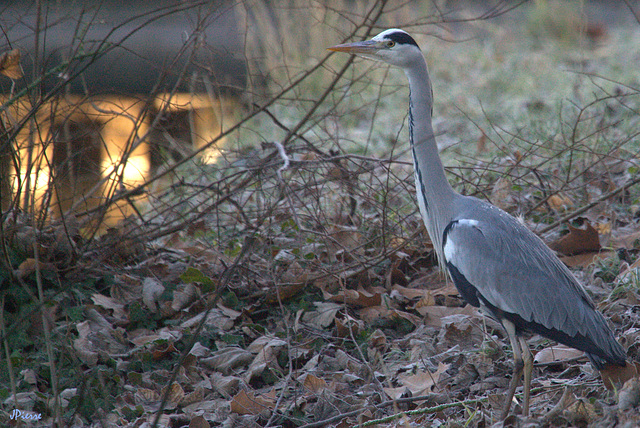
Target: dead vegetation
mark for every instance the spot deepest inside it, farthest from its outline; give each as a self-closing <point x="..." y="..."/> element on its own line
<point x="290" y="282"/>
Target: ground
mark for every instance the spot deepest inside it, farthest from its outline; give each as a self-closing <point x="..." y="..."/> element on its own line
<point x="291" y="283"/>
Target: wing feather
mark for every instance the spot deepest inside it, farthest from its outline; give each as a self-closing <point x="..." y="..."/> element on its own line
<point x="512" y="270"/>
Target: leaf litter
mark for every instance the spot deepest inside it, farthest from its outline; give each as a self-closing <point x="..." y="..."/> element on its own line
<point x="349" y="326"/>
<point x="344" y="350"/>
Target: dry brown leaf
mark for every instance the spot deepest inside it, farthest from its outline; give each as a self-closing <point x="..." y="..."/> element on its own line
<point x="629" y="395"/>
<point x="142" y="337"/>
<point x="627" y="240"/>
<point x="428" y="296"/>
<point x="248" y="403"/>
<point x="216" y="318"/>
<point x="215" y="260"/>
<point x="267" y="350"/>
<point x="501" y="193"/>
<point x="460" y="330"/>
<point x="227" y="360"/>
<point x="518" y="156"/>
<point x="349" y="363"/>
<point x="147" y="395"/>
<point x="226" y="386"/>
<point x="83" y="346"/>
<point x="559" y="202"/>
<point x="348" y="324"/>
<point x="358" y="297"/>
<point x="264" y="359"/>
<point x="344" y="242"/>
<point x="282" y="292"/>
<point x="163" y="350"/>
<point x="604" y="228"/>
<point x="377" y="340"/>
<point x="29" y="376"/>
<point x="585" y="259"/>
<point x="193" y="397"/>
<point x="312" y="364"/>
<point x="295" y="274"/>
<point x="127" y="288"/>
<point x="630" y="275"/>
<point x="427" y="300"/>
<point x="10" y="64"/>
<point x="583" y="410"/>
<point x="308" y="156"/>
<point x="434" y="280"/>
<point x="373" y="313"/>
<point x="413" y="319"/>
<point x="397" y="393"/>
<point x="420" y="383"/>
<point x="111" y="304"/>
<point x="151" y="291"/>
<point x="231" y="313"/>
<point x="29" y="266"/>
<point x="104" y="337"/>
<point x="577" y="241"/>
<point x="183" y="296"/>
<point x="557" y="354"/>
<point x="496" y="401"/>
<point x="199" y="350"/>
<point x="328" y="284"/>
<point x="324" y="314"/>
<point x="449" y="289"/>
<point x="199" y="422"/>
<point x="630" y="336"/>
<point x="189" y="363"/>
<point x="434" y="314"/>
<point x="199" y="227"/>
<point x="481" y="144"/>
<point x="423" y="381"/>
<point x="614" y="376"/>
<point x="314" y="384"/>
<point x="263" y="342"/>
<point x="395" y="275"/>
<point x="344" y="423"/>
<point x="176" y="393"/>
<point x="412" y="293"/>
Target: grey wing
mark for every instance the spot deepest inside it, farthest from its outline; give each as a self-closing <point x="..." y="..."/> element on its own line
<point x="498" y="263"/>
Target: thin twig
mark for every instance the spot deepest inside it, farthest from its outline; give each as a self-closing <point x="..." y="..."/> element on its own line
<point x="427" y="410"/>
<point x="396" y="415"/>
<point x="588" y="206"/>
<point x="415" y="412"/>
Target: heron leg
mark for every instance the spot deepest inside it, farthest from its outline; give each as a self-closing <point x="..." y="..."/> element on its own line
<point x="528" y="368"/>
<point x="517" y="366"/>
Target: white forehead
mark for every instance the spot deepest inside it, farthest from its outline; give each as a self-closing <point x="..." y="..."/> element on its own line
<point x="384" y="35"/>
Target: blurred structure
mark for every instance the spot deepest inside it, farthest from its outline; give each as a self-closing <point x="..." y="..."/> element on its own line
<point x="108" y="94"/>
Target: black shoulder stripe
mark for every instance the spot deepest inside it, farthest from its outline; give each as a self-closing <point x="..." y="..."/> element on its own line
<point x="446" y="232"/>
<point x="468" y="292"/>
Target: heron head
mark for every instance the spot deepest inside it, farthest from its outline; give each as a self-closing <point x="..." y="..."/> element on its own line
<point x="393" y="46"/>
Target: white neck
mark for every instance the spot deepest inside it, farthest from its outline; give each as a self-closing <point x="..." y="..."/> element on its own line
<point x="435" y="194"/>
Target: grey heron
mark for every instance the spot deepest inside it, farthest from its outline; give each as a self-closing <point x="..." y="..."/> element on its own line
<point x="495" y="262"/>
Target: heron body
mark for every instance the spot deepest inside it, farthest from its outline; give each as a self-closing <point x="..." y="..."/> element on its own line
<point x="495" y="262"/>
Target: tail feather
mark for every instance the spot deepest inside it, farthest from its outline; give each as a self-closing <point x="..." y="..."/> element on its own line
<point x="600" y="363"/>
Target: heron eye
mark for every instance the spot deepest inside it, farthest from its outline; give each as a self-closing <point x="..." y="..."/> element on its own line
<point x="391" y="44"/>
